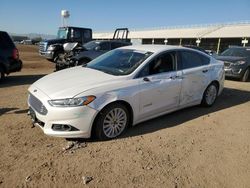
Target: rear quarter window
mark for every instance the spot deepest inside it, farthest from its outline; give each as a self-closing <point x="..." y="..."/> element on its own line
<point x="5" y="41"/>
<point x="192" y="59"/>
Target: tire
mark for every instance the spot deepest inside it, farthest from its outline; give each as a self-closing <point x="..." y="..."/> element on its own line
<point x="210" y="95"/>
<point x="2" y="75"/>
<point x="245" y="75"/>
<point x="111" y="122"/>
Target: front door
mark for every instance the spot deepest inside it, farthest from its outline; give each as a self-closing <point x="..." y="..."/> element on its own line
<point x="160" y="85"/>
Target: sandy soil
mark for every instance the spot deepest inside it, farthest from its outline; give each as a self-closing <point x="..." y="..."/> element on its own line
<point x="194" y="147"/>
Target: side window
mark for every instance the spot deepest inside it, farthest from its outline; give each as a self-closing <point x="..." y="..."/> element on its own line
<point x="161" y="64"/>
<point x="115" y="45"/>
<point x="76" y="33"/>
<point x="105" y="46"/>
<point x="86" y="35"/>
<point x="193" y="59"/>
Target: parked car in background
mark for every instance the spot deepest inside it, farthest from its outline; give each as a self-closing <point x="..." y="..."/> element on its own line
<point x="237" y="62"/>
<point x="92" y="50"/>
<point x="196" y="48"/>
<point x="9" y="56"/>
<point x="123" y="87"/>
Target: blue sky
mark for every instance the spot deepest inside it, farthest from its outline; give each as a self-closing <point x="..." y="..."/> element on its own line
<point x="31" y="16"/>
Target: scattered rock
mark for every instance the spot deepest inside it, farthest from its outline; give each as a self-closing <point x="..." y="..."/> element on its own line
<point x="87" y="179"/>
<point x="149" y="168"/>
<point x="74" y="145"/>
<point x="192" y="141"/>
<point x="49" y="145"/>
<point x="69" y="146"/>
<point x="139" y="151"/>
<point x="28" y="178"/>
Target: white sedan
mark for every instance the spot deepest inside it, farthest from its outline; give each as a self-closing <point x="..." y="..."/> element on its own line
<point x="123" y="87"/>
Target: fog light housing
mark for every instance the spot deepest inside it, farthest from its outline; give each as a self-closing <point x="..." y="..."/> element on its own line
<point x="63" y="127"/>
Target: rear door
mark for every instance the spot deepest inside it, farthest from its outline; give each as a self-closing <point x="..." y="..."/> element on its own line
<point x="195" y="74"/>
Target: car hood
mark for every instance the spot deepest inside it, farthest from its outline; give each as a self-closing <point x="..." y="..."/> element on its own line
<point x="71" y="82"/>
<point x="230" y="58"/>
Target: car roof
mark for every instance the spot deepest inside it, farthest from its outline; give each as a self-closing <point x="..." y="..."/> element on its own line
<point x="153" y="48"/>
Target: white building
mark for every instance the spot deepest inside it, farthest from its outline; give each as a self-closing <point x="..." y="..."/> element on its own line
<point x="213" y="37"/>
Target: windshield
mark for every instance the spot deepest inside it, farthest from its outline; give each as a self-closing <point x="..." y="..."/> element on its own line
<point x="62" y="34"/>
<point x="91" y="45"/>
<point x="119" y="62"/>
<point x="238" y="52"/>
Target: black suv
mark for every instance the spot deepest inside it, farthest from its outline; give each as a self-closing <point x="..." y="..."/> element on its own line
<point x="237" y="62"/>
<point x="9" y="56"/>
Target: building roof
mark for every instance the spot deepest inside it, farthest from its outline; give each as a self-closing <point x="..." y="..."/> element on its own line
<point x="233" y="30"/>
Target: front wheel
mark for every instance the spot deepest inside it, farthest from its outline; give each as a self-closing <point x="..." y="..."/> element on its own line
<point x="111" y="122"/>
<point x="245" y="75"/>
<point x="210" y="95"/>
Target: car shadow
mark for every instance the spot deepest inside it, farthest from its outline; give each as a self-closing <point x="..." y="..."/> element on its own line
<point x="18" y="80"/>
<point x="13" y="111"/>
<point x="229" y="98"/>
<point x="6" y="110"/>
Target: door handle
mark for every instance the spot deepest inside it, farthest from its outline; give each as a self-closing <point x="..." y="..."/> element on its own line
<point x="146" y="79"/>
<point x="204" y="71"/>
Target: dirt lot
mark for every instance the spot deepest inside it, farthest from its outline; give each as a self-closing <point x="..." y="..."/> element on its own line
<point x="194" y="147"/>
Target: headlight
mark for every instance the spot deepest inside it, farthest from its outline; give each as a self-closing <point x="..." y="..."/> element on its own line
<point x="72" y="102"/>
<point x="50" y="48"/>
<point x="239" y="63"/>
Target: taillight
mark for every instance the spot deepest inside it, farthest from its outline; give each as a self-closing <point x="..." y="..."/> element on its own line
<point x="15" y="54"/>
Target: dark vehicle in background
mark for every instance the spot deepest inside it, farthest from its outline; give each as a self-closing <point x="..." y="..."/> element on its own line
<point x="196" y="48"/>
<point x="93" y="49"/>
<point x="237" y="62"/>
<point x="50" y="49"/>
<point x="9" y="56"/>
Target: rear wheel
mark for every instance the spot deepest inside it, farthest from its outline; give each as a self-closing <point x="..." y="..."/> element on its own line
<point x="245" y="75"/>
<point x="210" y="95"/>
<point x="111" y="122"/>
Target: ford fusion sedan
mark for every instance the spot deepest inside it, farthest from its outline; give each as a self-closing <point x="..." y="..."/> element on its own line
<point x="123" y="87"/>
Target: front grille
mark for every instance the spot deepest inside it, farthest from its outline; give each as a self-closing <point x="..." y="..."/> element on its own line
<point x="42" y="47"/>
<point x="227" y="64"/>
<point x="37" y="105"/>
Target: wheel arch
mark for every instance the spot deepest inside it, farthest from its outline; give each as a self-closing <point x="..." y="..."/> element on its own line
<point x="123" y="102"/>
